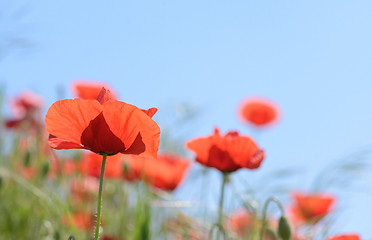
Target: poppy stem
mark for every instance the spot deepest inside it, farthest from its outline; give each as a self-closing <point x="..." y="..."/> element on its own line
<point x="100" y="196"/>
<point x="225" y="177"/>
<point x="264" y="213"/>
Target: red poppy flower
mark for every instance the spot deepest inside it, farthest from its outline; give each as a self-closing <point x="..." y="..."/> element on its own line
<point x="104" y="126"/>
<point x="258" y="112"/>
<point x="164" y="172"/>
<point x="344" y="237"/>
<point x="310" y="208"/>
<point x="88" y="90"/>
<point x="91" y="165"/>
<point x="226" y="153"/>
<point x="167" y="171"/>
<point x="26" y="102"/>
<point x="24" y="109"/>
<point x="241" y="223"/>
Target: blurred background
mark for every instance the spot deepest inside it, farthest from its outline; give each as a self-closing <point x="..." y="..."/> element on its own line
<point x="196" y="61"/>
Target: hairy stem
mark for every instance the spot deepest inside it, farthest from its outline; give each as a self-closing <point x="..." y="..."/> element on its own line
<point x="99" y="203"/>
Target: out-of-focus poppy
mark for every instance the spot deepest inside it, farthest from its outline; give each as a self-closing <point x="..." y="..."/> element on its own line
<point x="25" y="108"/>
<point x="164" y="172"/>
<point x="241" y="222"/>
<point x="88" y="89"/>
<point x="258" y="112"/>
<point x="103" y="126"/>
<point x="27" y="172"/>
<point x="310" y="208"/>
<point x="81" y="220"/>
<point x="227" y="153"/>
<point x="84" y="189"/>
<point x="91" y="165"/>
<point x="65" y="167"/>
<point x="91" y="90"/>
<point x="26" y="102"/>
<point x="351" y="236"/>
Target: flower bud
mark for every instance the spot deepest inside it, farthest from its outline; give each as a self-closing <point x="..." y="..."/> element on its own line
<point x="284" y="228"/>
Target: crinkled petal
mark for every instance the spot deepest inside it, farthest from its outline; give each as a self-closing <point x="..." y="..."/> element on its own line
<point x="67" y="119"/>
<point x="200" y="147"/>
<point x="150" y="112"/>
<point x="127" y="121"/>
<point x="58" y="143"/>
<point x="245" y="152"/>
<point x="104" y="96"/>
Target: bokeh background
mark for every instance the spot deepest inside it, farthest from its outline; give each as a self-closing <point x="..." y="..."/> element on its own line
<point x="199" y="59"/>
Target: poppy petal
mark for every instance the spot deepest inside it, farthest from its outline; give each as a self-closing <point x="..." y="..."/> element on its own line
<point x="67" y="119"/>
<point x="104" y="95"/>
<point x="137" y="147"/>
<point x="58" y="143"/>
<point x="150" y="112"/>
<point x="200" y="147"/>
<point x="243" y="150"/>
<point x="127" y="121"/>
<point x="98" y="137"/>
<point x="88" y="90"/>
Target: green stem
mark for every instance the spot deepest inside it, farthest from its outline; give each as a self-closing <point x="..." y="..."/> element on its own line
<point x="225" y="176"/>
<point x="100" y="196"/>
<point x="264" y="212"/>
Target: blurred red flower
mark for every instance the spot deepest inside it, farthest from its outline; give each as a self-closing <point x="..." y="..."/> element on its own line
<point x="258" y="112"/>
<point x="310" y="208"/>
<point x="167" y="171"/>
<point x="25" y="108"/>
<point x="164" y="172"/>
<point x="88" y="89"/>
<point x="344" y="237"/>
<point x="66" y="166"/>
<point x="241" y="222"/>
<point x="84" y="189"/>
<point x="27" y="172"/>
<point x="91" y="165"/>
<point x="81" y="220"/>
<point x="104" y="126"/>
<point x="227" y="153"/>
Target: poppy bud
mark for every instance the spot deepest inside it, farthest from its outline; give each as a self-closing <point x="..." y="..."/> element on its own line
<point x="284" y="228"/>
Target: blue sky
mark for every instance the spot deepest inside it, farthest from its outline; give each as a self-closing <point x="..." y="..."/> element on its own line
<point x="313" y="58"/>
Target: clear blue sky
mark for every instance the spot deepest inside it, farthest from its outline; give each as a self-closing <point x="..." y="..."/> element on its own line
<point x="313" y="58"/>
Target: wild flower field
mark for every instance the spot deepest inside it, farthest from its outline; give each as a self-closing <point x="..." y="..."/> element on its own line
<point x="110" y="181"/>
